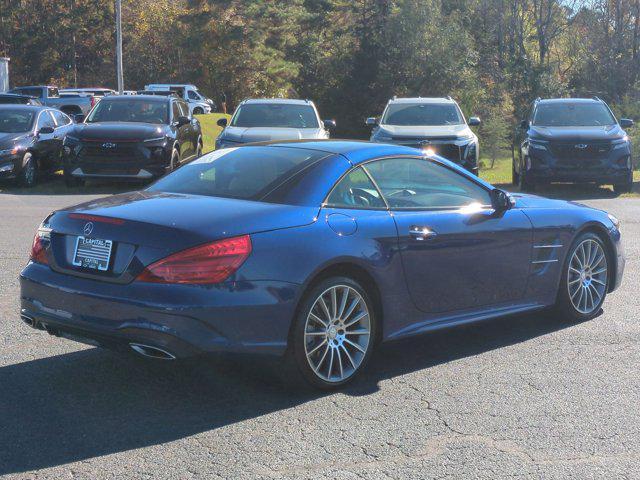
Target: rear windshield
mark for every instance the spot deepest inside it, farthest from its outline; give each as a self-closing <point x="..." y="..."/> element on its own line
<point x="248" y="173"/>
<point x="32" y="92"/>
<point x="14" y="100"/>
<point x="134" y="110"/>
<point x="572" y="114"/>
<point x="15" y="121"/>
<point x="275" y="115"/>
<point x="422" y="114"/>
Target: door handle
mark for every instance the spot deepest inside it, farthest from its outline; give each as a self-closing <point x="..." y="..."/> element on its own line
<point x="421" y="233"/>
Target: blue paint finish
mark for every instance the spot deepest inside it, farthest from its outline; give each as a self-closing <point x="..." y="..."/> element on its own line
<point x="480" y="264"/>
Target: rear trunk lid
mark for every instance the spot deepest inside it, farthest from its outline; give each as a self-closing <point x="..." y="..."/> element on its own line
<point x="146" y="226"/>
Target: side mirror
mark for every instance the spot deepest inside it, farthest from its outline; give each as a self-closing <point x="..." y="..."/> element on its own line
<point x="46" y="131"/>
<point x="371" y="121"/>
<point x="329" y="124"/>
<point x="524" y="124"/>
<point x="182" y="120"/>
<point x="78" y="118"/>
<point x="474" y="121"/>
<point x="222" y="122"/>
<point x="500" y="200"/>
<point x="626" y="123"/>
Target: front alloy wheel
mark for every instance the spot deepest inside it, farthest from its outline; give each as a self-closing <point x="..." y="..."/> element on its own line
<point x="336" y="334"/>
<point x="585" y="279"/>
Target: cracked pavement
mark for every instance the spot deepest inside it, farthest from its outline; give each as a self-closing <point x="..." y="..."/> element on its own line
<point x="519" y="397"/>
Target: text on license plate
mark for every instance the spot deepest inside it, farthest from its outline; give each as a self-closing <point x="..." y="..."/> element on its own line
<point x="92" y="253"/>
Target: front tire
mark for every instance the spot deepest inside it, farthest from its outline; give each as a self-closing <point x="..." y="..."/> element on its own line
<point x="28" y="176"/>
<point x="334" y="333"/>
<point x="198" y="111"/>
<point x="625" y="187"/>
<point x="525" y="184"/>
<point x="174" y="162"/>
<point x="585" y="279"/>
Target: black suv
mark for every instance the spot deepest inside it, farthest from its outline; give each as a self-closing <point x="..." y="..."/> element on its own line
<point x="131" y="137"/>
<point x="572" y="140"/>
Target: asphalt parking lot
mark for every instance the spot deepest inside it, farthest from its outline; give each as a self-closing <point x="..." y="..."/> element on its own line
<point x="521" y="397"/>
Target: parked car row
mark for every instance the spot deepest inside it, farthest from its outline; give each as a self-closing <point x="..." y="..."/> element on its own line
<point x="125" y="137"/>
<point x="561" y="140"/>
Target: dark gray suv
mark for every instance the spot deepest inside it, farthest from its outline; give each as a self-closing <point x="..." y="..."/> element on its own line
<point x="572" y="140"/>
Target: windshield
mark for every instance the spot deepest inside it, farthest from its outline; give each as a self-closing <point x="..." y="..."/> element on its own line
<point x="15" y="121"/>
<point x="248" y="173"/>
<point x="422" y="114"/>
<point x="276" y="115"/>
<point x="572" y="114"/>
<point x="134" y="110"/>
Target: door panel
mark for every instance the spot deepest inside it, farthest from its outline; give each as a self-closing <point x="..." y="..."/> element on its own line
<point x="470" y="259"/>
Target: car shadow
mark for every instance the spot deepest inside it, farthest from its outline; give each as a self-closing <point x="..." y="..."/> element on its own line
<point x="93" y="402"/>
<point x="565" y="191"/>
<point x="54" y="185"/>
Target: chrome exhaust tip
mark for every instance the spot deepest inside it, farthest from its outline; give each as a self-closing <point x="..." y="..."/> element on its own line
<point x="151" y="352"/>
<point x="28" y="320"/>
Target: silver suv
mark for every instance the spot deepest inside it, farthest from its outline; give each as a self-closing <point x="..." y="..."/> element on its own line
<point x="266" y="119"/>
<point x="434" y="125"/>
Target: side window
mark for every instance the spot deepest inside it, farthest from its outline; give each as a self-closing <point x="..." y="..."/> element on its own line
<point x="355" y="190"/>
<point x="52" y="93"/>
<point x="60" y="118"/>
<point x="422" y="184"/>
<point x="46" y="120"/>
<point x="175" y="111"/>
<point x="193" y="95"/>
<point x="184" y="108"/>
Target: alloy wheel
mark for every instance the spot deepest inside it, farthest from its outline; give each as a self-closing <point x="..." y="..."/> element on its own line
<point x="587" y="276"/>
<point x="337" y="333"/>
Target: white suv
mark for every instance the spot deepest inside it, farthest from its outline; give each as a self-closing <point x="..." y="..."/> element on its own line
<point x="434" y="125"/>
<point x="198" y="103"/>
<point x="269" y="119"/>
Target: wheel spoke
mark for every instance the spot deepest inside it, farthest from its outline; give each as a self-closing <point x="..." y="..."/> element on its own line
<point x="334" y="303"/>
<point x="595" y="290"/>
<point x="355" y="345"/>
<point x="324" y="355"/>
<point x="356" y="319"/>
<point x="593" y="279"/>
<point x="323" y="306"/>
<point x="351" y="308"/>
<point x="316" y="348"/>
<point x="340" y="363"/>
<point x="357" y="332"/>
<point x="315" y="334"/>
<point x="353" y="364"/>
<point x="331" y="363"/>
<point x="318" y="319"/>
<point x="343" y="302"/>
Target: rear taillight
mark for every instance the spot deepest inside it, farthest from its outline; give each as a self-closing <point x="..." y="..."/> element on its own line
<point x="210" y="263"/>
<point x="38" y="253"/>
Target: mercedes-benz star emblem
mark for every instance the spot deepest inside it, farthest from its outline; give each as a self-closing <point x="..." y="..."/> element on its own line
<point x="108" y="145"/>
<point x="88" y="228"/>
<point x="581" y="146"/>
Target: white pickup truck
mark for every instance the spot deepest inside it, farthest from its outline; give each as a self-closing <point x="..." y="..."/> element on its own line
<point x="198" y="103"/>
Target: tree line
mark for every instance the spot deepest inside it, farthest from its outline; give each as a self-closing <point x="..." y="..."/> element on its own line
<point x="349" y="56"/>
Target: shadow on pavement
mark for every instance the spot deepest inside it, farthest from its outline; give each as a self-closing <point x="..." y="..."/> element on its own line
<point x="54" y="185"/>
<point x="93" y="402"/>
<point x="567" y="191"/>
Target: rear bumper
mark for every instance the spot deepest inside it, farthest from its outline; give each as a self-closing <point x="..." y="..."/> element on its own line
<point x="243" y="317"/>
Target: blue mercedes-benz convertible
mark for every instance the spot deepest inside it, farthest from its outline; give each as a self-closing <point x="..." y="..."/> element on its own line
<point x="313" y="250"/>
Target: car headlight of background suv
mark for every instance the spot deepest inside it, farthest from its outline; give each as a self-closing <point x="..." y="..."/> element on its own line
<point x="9" y="151"/>
<point x="622" y="143"/>
<point x="538" y="144"/>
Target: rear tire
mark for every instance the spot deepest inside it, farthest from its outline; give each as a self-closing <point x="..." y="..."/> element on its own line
<point x="28" y="176"/>
<point x="334" y="333"/>
<point x="585" y="279"/>
<point x="525" y="184"/>
<point x="70" y="181"/>
<point x="175" y="160"/>
<point x="625" y="187"/>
